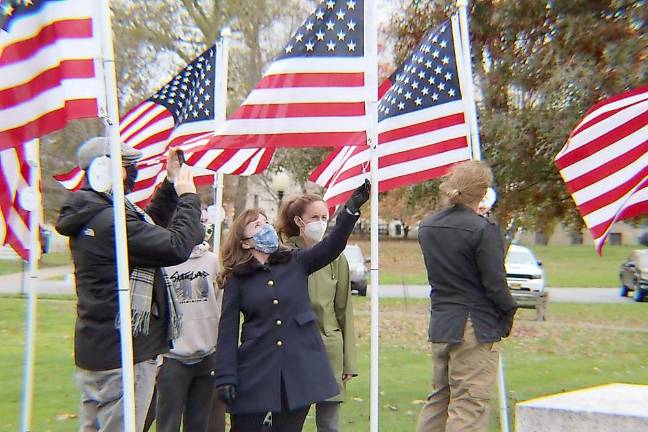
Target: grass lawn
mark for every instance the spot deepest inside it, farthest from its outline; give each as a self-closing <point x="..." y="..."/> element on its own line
<point x="579" y="346"/>
<point x="580" y="266"/>
<point x="401" y="262"/>
<point x="47" y="260"/>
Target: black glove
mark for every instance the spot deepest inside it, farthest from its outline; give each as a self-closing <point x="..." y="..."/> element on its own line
<point x="359" y="197"/>
<point x="226" y="393"/>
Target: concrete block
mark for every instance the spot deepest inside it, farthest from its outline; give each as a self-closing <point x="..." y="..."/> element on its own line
<point x="607" y="408"/>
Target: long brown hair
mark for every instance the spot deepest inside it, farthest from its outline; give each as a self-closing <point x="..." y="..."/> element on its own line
<point x="295" y="206"/>
<point x="232" y="254"/>
<point x="466" y="183"/>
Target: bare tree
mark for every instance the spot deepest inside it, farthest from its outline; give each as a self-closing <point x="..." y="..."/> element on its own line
<point x="154" y="39"/>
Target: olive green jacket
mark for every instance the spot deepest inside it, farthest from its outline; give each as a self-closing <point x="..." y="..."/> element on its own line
<point x="330" y="294"/>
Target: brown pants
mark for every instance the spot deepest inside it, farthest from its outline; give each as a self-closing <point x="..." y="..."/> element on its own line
<point x="463" y="377"/>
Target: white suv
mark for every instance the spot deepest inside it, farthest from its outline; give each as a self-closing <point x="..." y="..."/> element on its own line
<point x="523" y="270"/>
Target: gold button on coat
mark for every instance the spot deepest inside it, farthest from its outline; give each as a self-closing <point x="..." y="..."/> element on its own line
<point x="279" y="343"/>
<point x="275" y="301"/>
<point x="270" y="283"/>
<point x="278" y="322"/>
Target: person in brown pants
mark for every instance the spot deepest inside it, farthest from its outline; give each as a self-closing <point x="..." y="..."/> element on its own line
<point x="471" y="305"/>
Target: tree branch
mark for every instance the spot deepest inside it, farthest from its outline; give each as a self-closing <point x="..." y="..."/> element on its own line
<point x="197" y="14"/>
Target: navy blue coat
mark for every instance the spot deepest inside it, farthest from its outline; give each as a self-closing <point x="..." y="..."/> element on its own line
<point x="280" y="337"/>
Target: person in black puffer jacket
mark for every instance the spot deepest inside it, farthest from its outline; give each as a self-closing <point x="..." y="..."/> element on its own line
<point x="163" y="236"/>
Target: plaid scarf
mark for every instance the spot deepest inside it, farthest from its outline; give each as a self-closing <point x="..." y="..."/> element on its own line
<point x="141" y="289"/>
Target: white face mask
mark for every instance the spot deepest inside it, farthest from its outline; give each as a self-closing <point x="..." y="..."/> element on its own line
<point x="315" y="230"/>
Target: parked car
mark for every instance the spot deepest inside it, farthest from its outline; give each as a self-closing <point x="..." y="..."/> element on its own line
<point x="357" y="269"/>
<point x="523" y="271"/>
<point x="634" y="275"/>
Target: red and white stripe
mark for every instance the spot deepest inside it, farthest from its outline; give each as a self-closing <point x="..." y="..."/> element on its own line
<point x="149" y="127"/>
<point x="411" y="148"/>
<point x="14" y="178"/>
<point x="605" y="162"/>
<point x="203" y="167"/>
<point x="301" y="102"/>
<point x="247" y="161"/>
<point x="48" y="71"/>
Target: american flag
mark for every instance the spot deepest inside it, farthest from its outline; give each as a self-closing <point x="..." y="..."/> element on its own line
<point x="422" y="126"/>
<point x="605" y="162"/>
<point x="180" y="114"/>
<point x="313" y="94"/>
<point x="48" y="74"/>
<point x="14" y="179"/>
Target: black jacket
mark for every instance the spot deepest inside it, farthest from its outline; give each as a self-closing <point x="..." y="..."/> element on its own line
<point x="280" y="338"/>
<point x="87" y="218"/>
<point x="464" y="258"/>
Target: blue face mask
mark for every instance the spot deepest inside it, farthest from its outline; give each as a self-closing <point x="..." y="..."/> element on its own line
<point x="266" y="240"/>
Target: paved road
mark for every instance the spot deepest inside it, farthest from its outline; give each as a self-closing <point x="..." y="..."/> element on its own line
<point x="16" y="283"/>
<point x="11" y="284"/>
<point x="558" y="295"/>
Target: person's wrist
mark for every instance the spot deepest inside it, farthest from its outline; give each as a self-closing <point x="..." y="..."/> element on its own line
<point x="351" y="211"/>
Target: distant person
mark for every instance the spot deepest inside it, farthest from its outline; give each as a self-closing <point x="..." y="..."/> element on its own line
<point x="471" y="305"/>
<point x="155" y="239"/>
<point x="281" y="366"/>
<point x="302" y="224"/>
<point x="185" y="381"/>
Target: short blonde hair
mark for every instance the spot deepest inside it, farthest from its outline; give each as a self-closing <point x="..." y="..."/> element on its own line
<point x="466" y="183"/>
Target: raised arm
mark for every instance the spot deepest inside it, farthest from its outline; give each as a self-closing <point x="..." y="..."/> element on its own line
<point x="331" y="246"/>
<point x="155" y="246"/>
<point x="163" y="204"/>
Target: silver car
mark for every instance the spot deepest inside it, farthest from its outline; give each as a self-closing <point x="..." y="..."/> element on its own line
<point x="357" y="269"/>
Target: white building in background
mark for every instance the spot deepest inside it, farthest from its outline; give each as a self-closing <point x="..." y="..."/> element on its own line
<point x="622" y="233"/>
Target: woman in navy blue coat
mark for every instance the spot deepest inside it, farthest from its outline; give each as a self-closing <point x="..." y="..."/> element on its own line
<point x="281" y="366"/>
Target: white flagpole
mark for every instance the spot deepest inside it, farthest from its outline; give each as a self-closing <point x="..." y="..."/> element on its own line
<point x="220" y="113"/>
<point x="501" y="392"/>
<point x="32" y="203"/>
<point x="468" y="87"/>
<point x="121" y="247"/>
<point x="371" y="74"/>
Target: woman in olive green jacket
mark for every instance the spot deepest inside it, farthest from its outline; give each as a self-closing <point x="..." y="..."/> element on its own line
<point x="302" y="223"/>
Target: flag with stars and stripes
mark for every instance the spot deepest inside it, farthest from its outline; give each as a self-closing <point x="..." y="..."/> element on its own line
<point x="422" y="126"/>
<point x="180" y="114"/>
<point x="605" y="162"/>
<point x="313" y="94"/>
<point x="49" y="68"/>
